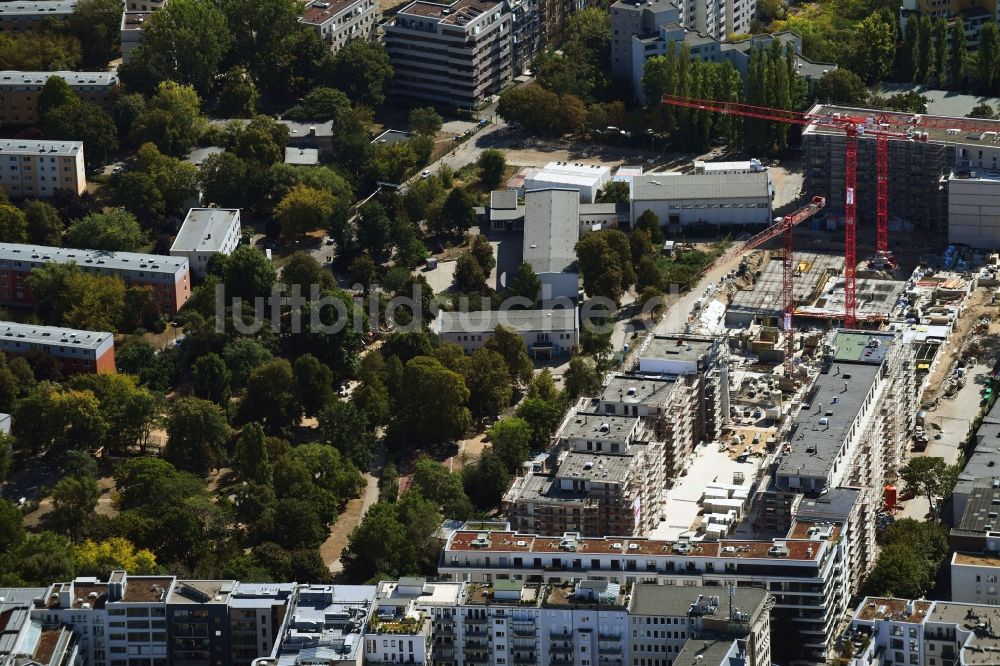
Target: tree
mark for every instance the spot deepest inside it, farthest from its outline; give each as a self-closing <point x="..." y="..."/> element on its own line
<point x="434" y="481"/>
<point x="492" y="163"/>
<point x="252" y="462"/>
<point x="376" y="546"/>
<point x="486" y="480"/>
<point x="73" y="502"/>
<point x="303" y="270"/>
<point x="55" y="92"/>
<point x="249" y="274"/>
<point x="542" y="417"/>
<point x="922" y="49"/>
<point x="874" y="47"/>
<point x="243" y="356"/>
<point x="115" y="230"/>
<point x="141" y="310"/>
<point x="312" y="384"/>
<point x="176" y="182"/>
<point x="97" y="25"/>
<point x="582" y="378"/>
<point x="304" y="209"/>
<point x="982" y="110"/>
<point x="511" y="441"/>
<point x="129" y="410"/>
<point x="650" y="223"/>
<point x="173" y="120"/>
<point x="931" y="477"/>
<point x="543" y="387"/>
<point x="988" y="58"/>
<point x="224" y="179"/>
<point x="139" y="194"/>
<point x="362" y="70"/>
<point x="53" y="418"/>
<point x="469" y="277"/>
<point x="898" y="572"/>
<point x="426" y="120"/>
<point x="539" y="110"/>
<point x="488" y="383"/>
<point x="956" y="55"/>
<point x="44" y="225"/>
<point x="525" y="284"/>
<point x="13" y="224"/>
<point x="238" y="95"/>
<point x="437" y="412"/>
<point x="940" y="37"/>
<point x="510" y="346"/>
<point x="270" y="398"/>
<point x="86" y="122"/>
<point x="211" y="379"/>
<point x="185" y="43"/>
<point x="616" y="191"/>
<point x="842" y="86"/>
<point x="6" y="455"/>
<point x="197" y="433"/>
<point x="264" y="39"/>
<point x="98" y="302"/>
<point x="99" y="559"/>
<point x="346" y="428"/>
<point x="605" y="260"/>
<point x="391" y="162"/>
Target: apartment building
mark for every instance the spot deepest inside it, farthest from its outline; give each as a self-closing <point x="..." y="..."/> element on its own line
<point x="399" y="629"/>
<point x="159" y="620"/>
<point x="918" y="169"/>
<point x="338" y="22"/>
<point x="456" y="55"/>
<point x="168" y="277"/>
<point x="74" y="351"/>
<point x="604" y="476"/>
<point x="207" y="232"/>
<point x="894" y="632"/>
<point x="805" y="572"/>
<point x="548" y="334"/>
<point x="37" y="169"/>
<point x="131" y="32"/>
<point x="25" y="640"/>
<point x="665" y="621"/>
<point x="26" y="16"/>
<point x="325" y="624"/>
<point x="19" y="91"/>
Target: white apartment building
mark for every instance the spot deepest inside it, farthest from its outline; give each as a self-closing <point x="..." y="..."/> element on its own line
<point x="974" y="578"/>
<point x="338" y="22"/>
<point x="974" y="208"/>
<point x="19" y="91"/>
<point x="205" y="233"/>
<point x="36" y="169"/>
<point x="24" y="16"/>
<point x="546" y="333"/>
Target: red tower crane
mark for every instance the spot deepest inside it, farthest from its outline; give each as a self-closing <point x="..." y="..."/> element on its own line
<point x="853" y="126"/>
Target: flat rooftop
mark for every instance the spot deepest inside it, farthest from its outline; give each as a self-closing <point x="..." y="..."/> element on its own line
<point x="551" y="229"/>
<point x="457" y="13"/>
<point x="676" y="601"/>
<point x="976" y="516"/>
<point x="976" y="559"/>
<point x="146" y="589"/>
<point x="106" y="260"/>
<point x="18" y="77"/>
<point x="981" y="646"/>
<point x="900" y="122"/>
<point x="514" y="542"/>
<point x="678" y="348"/>
<point x="890" y="608"/>
<point x="983" y="175"/>
<point x="865" y="347"/>
<point x="53" y="8"/>
<point x="595" y="467"/>
<point x="522" y="321"/>
<point x="302" y="156"/>
<point x="319" y="12"/>
<point x="22" y="147"/>
<point x="204" y="229"/>
<point x="52" y="335"/>
<point x="599" y="427"/>
<point x="202" y="592"/>
<point x="703" y="187"/>
<point x="822" y="426"/>
<point x="637" y="390"/>
<point x="877" y="298"/>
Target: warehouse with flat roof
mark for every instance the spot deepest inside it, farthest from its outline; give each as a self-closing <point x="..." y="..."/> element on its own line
<point x="680" y="200"/>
